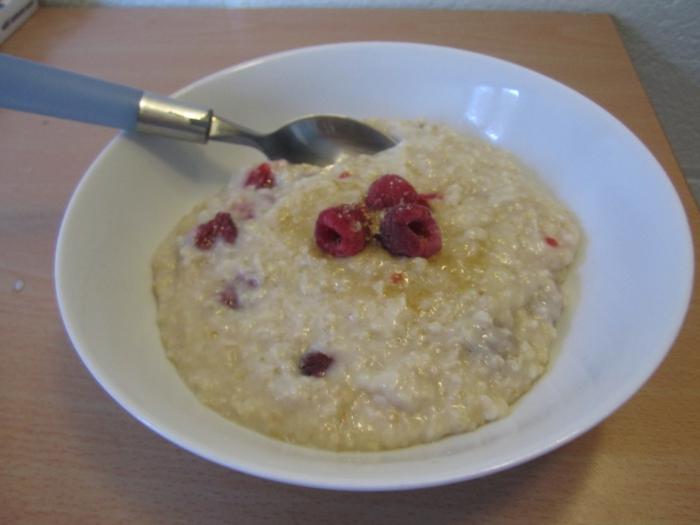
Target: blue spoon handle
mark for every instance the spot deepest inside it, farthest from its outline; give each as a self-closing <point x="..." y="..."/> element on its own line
<point x="36" y="88"/>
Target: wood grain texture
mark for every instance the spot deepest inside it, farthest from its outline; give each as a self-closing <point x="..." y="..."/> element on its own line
<point x="68" y="454"/>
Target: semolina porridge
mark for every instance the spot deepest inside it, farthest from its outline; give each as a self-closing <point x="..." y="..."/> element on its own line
<point x="378" y="303"/>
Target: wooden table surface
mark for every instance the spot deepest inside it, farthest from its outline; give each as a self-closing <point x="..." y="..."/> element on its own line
<point x="69" y="454"/>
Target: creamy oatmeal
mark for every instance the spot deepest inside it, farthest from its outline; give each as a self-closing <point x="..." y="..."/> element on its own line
<point x="368" y="350"/>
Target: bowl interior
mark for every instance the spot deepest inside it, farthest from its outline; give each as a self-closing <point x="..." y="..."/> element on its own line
<point x="635" y="275"/>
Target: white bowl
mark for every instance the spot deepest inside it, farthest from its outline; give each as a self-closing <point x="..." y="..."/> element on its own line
<point x="635" y="276"/>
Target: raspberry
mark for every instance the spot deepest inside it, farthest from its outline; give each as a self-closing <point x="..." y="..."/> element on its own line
<point x="410" y="230"/>
<point x="261" y="177"/>
<point x="229" y="297"/>
<point x="221" y="226"/>
<point x="315" y="364"/>
<point x="390" y="190"/>
<point x="342" y="230"/>
<point x="552" y="242"/>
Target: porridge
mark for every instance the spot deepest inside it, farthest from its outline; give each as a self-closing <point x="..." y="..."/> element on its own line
<point x="378" y="303"/>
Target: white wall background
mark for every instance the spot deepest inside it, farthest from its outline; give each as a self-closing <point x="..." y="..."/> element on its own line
<point x="662" y="37"/>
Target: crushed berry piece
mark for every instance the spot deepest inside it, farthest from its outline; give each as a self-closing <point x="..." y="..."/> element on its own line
<point x="342" y="230"/>
<point x="425" y="198"/>
<point x="410" y="230"/>
<point x="398" y="277"/>
<point x="244" y="210"/>
<point x="247" y="281"/>
<point x="229" y="297"/>
<point x="261" y="177"/>
<point x="431" y="195"/>
<point x="345" y="175"/>
<point x="552" y="241"/>
<point x="390" y="190"/>
<point x="315" y="364"/>
<point x="221" y="226"/>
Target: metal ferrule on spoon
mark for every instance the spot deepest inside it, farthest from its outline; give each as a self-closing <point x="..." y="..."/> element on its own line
<point x="167" y="117"/>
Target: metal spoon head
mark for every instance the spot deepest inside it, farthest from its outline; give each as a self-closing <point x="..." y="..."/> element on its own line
<point x="323" y="140"/>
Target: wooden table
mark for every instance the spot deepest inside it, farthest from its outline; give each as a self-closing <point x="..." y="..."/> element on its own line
<point x="69" y="454"/>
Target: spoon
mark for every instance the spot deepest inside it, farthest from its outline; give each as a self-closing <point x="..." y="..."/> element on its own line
<point x="36" y="88"/>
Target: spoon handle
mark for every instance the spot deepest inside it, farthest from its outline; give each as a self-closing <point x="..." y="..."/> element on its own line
<point x="37" y="88"/>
